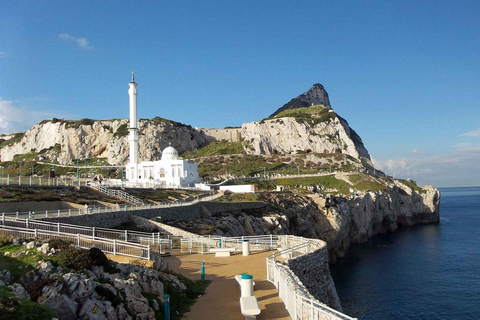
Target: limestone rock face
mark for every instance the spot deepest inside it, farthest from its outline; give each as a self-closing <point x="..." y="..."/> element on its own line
<point x="316" y="95"/>
<point x="287" y="135"/>
<point x="345" y="221"/>
<point x="103" y="139"/>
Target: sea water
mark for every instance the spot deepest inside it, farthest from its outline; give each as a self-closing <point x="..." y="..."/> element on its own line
<point x="420" y="272"/>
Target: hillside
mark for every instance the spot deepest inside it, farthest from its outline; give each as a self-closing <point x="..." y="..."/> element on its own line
<point x="306" y="133"/>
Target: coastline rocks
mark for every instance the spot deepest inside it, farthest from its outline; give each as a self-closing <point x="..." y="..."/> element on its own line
<point x="95" y="294"/>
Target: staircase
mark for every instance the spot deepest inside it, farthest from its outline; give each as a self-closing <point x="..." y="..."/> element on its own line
<point x="119" y="194"/>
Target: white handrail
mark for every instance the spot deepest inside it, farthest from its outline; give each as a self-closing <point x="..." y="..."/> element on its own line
<point x="299" y="303"/>
<point x="115" y="247"/>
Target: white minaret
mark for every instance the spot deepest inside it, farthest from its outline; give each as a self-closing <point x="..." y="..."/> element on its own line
<point x="133" y="134"/>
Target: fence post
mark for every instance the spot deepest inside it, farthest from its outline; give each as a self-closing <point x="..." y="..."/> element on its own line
<point x="148" y="254"/>
<point x="166" y="306"/>
<point x="114" y="247"/>
<point x="93" y="232"/>
<point x="69" y="212"/>
<point x="58" y="214"/>
<point x="126" y="235"/>
<point x="271" y="242"/>
<point x="26" y="222"/>
<point x="46" y="213"/>
<point x="58" y="227"/>
<point x="3" y="218"/>
<point x="36" y="233"/>
<point x="79" y="212"/>
<point x="16" y="215"/>
<point x="78" y="240"/>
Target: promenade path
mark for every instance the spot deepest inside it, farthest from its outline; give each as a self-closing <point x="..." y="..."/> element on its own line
<point x="221" y="299"/>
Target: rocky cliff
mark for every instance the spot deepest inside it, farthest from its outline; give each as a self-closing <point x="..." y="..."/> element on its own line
<point x="305" y="124"/>
<point x="289" y="134"/>
<point x="101" y="139"/>
<point x="337" y="220"/>
<point x="316" y="95"/>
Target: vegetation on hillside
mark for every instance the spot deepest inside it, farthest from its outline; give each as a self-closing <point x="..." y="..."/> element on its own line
<point x="312" y="115"/>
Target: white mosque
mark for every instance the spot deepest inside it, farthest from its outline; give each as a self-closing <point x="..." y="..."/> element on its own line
<point x="169" y="172"/>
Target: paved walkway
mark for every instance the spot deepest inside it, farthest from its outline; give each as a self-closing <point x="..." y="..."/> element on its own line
<point x="221" y="300"/>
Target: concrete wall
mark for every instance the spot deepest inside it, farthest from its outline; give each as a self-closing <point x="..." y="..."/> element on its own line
<point x="113" y="219"/>
<point x="34" y="206"/>
<point x="230" y="135"/>
<point x="243" y="188"/>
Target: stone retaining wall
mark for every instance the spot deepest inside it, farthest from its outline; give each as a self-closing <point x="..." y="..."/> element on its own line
<point x="314" y="272"/>
<point x="188" y="212"/>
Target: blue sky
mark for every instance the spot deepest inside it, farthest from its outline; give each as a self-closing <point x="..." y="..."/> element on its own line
<point x="405" y="74"/>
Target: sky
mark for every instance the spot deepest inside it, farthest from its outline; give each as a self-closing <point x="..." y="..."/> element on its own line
<point x="404" y="74"/>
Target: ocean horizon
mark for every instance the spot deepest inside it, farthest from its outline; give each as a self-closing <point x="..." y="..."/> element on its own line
<point x="420" y="272"/>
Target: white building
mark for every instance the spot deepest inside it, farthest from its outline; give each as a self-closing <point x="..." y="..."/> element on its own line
<point x="169" y="172"/>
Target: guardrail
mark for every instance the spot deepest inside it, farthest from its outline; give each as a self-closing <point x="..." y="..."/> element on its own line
<point x="9" y="180"/>
<point x="155" y="239"/>
<point x="118" y="193"/>
<point x="202" y="244"/>
<point x="300" y="304"/>
<point x="96" y="209"/>
<point x="114" y="246"/>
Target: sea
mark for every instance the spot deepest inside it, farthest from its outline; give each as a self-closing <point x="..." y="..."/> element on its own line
<point x="427" y="271"/>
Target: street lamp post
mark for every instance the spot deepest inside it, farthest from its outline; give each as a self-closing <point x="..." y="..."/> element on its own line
<point x="53" y="165"/>
<point x="78" y="168"/>
<point x="122" y="173"/>
<point x="20" y="175"/>
<point x="86" y="170"/>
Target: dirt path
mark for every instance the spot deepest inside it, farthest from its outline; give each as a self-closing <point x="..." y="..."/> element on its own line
<point x="221" y="300"/>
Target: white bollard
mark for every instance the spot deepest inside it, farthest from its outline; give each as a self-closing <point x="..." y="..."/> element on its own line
<point x="246" y="285"/>
<point x="246" y="247"/>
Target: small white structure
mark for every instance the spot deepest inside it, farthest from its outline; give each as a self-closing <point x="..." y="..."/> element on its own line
<point x="169" y="172"/>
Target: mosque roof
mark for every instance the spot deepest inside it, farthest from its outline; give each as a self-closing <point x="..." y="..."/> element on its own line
<point x="169" y="153"/>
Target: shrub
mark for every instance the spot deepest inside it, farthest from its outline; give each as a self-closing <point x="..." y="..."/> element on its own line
<point x="122" y="131"/>
<point x="5" y="240"/>
<point x="98" y="258"/>
<point x="59" y="244"/>
<point x="74" y="258"/>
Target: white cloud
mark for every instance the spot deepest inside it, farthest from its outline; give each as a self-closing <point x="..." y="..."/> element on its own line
<point x="458" y="167"/>
<point x="14" y="119"/>
<point x="82" y="42"/>
<point x="474" y="133"/>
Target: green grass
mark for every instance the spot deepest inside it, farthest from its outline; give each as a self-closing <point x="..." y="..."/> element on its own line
<point x="12" y="308"/>
<point x="180" y="302"/>
<point x="313" y="115"/>
<point x="354" y="178"/>
<point x="16" y="138"/>
<point x="329" y="182"/>
<point x="238" y="197"/>
<point x="412" y="186"/>
<point x="18" y="266"/>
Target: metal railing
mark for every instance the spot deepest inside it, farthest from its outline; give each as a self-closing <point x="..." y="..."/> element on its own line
<point x="203" y="244"/>
<point x="9" y="180"/>
<point x="98" y="209"/>
<point x="114" y="246"/>
<point x="119" y="194"/>
<point x="154" y="239"/>
<point x="300" y="304"/>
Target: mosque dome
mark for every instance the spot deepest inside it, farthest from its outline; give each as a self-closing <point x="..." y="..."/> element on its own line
<point x="169" y="153"/>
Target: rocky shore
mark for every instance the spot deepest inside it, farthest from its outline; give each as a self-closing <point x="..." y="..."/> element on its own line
<point x="338" y="220"/>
